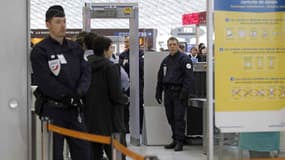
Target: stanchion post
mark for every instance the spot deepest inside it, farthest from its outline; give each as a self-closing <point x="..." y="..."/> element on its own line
<point x="151" y="158"/>
<point x="50" y="144"/>
<point x="115" y="153"/>
<point x="47" y="140"/>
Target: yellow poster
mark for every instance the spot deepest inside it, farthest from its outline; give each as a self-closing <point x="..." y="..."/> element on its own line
<point x="249" y="58"/>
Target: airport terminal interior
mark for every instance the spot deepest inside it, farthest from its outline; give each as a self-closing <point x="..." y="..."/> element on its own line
<point x="237" y="108"/>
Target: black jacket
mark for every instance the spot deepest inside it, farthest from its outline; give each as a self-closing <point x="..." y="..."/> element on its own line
<point x="176" y="71"/>
<point x="74" y="74"/>
<point x="104" y="100"/>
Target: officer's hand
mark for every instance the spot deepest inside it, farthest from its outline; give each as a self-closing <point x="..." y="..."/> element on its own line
<point x="158" y="98"/>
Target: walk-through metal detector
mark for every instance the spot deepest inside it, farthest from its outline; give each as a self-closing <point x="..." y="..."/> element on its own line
<point x="14" y="89"/>
<point x="122" y="11"/>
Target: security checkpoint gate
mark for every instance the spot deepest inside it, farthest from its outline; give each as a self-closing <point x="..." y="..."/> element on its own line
<point x="14" y="30"/>
<point x="122" y="11"/>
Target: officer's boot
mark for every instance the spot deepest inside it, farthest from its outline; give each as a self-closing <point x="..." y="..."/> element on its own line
<point x="170" y="146"/>
<point x="178" y="147"/>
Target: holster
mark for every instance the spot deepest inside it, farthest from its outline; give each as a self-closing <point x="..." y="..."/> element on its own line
<point x="39" y="102"/>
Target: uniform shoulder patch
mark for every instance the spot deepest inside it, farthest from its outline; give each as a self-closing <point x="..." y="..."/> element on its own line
<point x="188" y="66"/>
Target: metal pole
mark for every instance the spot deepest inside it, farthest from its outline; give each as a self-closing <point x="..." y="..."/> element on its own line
<point x="116" y="155"/>
<point x="134" y="79"/>
<point x="50" y="145"/>
<point x="86" y="16"/>
<point x="47" y="140"/>
<point x="33" y="136"/>
<point x="210" y="76"/>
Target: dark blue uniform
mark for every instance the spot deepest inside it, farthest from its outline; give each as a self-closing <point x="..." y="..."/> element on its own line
<point x="124" y="62"/>
<point x="175" y="78"/>
<point x="61" y="74"/>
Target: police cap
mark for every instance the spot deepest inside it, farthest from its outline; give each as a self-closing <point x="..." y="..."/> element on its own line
<point x="54" y="11"/>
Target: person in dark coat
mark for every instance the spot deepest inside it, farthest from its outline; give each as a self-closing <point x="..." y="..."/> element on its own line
<point x="104" y="100"/>
<point x="124" y="62"/>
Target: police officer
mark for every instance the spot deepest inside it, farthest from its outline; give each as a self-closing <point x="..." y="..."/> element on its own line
<point x="175" y="78"/>
<point x="63" y="78"/>
<point x="124" y="62"/>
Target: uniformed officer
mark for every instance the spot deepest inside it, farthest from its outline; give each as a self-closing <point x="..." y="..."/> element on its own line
<point x="124" y="62"/>
<point x="175" y="78"/>
<point x="63" y="78"/>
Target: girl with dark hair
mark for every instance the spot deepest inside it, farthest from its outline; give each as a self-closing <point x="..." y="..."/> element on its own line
<point x="104" y="100"/>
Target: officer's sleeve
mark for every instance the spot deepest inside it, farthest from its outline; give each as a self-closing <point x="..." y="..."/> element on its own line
<point x="125" y="66"/>
<point x="85" y="76"/>
<point x="159" y="84"/>
<point x="114" y="86"/>
<point x="121" y="59"/>
<point x="188" y="81"/>
<point x="44" y="78"/>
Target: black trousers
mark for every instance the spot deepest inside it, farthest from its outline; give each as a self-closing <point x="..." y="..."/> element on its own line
<point x="175" y="111"/>
<point x="67" y="118"/>
<point x="98" y="149"/>
<point x="127" y="113"/>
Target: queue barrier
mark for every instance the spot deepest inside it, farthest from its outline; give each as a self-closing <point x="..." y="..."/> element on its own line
<point x="48" y="129"/>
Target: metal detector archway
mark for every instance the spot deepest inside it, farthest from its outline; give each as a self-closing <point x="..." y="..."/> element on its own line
<point x="122" y="11"/>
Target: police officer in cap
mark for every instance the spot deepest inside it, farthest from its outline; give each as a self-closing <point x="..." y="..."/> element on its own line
<point x="175" y="79"/>
<point x="62" y="77"/>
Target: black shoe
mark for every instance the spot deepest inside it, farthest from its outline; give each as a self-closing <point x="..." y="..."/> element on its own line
<point x="170" y="146"/>
<point x="178" y="147"/>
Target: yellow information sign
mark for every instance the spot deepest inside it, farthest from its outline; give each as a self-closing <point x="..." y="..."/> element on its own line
<point x="250" y="61"/>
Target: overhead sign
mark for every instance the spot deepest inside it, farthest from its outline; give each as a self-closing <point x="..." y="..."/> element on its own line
<point x="194" y="18"/>
<point x="186" y="31"/>
<point x="112" y="12"/>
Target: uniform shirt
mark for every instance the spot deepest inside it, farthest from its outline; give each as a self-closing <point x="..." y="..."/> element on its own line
<point x="194" y="59"/>
<point x="60" y="70"/>
<point x="176" y="70"/>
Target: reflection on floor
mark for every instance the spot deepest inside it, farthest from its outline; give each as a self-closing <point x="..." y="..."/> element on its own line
<point x="189" y="153"/>
<point x="192" y="152"/>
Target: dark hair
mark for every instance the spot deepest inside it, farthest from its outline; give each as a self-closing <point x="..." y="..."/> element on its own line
<point x="80" y="38"/>
<point x="54" y="11"/>
<point x="181" y="46"/>
<point x="89" y="40"/>
<point x="173" y="39"/>
<point x="100" y="44"/>
<point x="201" y="46"/>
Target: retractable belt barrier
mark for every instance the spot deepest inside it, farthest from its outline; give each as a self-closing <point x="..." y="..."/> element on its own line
<point x="99" y="139"/>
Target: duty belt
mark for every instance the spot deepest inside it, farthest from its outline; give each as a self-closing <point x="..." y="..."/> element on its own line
<point x="56" y="104"/>
<point x="173" y="87"/>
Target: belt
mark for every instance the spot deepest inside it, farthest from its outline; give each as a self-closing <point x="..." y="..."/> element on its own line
<point x="56" y="104"/>
<point x="173" y="87"/>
